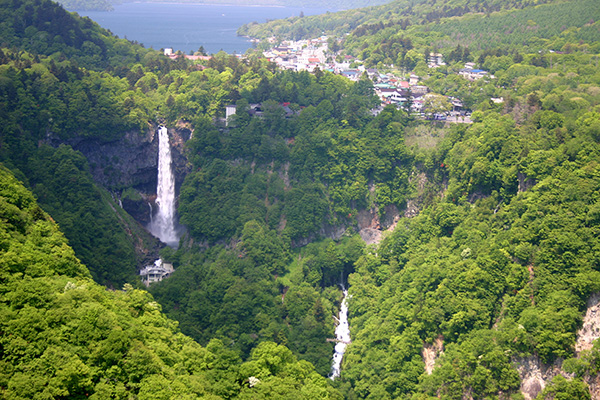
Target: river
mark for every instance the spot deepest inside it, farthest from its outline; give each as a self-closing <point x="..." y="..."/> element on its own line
<point x="186" y="27"/>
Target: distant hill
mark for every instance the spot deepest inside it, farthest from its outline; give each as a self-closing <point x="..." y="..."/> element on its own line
<point x="87" y="5"/>
<point x="392" y="13"/>
<point x="524" y="29"/>
<point x="42" y="27"/>
<point x="107" y="5"/>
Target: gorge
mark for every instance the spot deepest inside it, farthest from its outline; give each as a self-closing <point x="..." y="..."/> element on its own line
<point x="478" y="291"/>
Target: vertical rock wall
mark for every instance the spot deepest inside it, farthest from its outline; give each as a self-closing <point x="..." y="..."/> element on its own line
<point x="132" y="162"/>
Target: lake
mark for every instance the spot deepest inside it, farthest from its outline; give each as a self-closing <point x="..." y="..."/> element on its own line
<point x="186" y="27"/>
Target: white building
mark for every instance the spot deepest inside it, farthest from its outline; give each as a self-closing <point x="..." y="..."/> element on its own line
<point x="435" y="60"/>
<point x="229" y="111"/>
<point x="473" y="74"/>
<point x="156" y="272"/>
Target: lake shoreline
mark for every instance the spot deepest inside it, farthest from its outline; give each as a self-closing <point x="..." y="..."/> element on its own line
<point x="209" y="4"/>
<point x="189" y="26"/>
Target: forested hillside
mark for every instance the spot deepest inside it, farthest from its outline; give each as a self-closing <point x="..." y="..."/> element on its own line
<point x="400" y="13"/>
<point x="504" y="277"/>
<point x="43" y="28"/>
<point x="45" y="101"/>
<point x="65" y="336"/>
<point x="503" y="33"/>
<point x="489" y="230"/>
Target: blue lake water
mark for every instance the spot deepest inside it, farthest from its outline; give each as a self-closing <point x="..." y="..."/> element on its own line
<point x="186" y="27"/>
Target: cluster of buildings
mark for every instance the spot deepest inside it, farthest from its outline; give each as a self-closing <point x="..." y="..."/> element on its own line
<point x="406" y="92"/>
<point x="308" y="55"/>
<point x="169" y="53"/>
<point x="302" y="55"/>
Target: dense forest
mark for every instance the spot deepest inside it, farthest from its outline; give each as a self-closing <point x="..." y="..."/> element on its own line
<point x="65" y="336"/>
<point x="400" y="14"/>
<point x="490" y="257"/>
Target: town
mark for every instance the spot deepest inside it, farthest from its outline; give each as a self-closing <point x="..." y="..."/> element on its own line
<point x="405" y="91"/>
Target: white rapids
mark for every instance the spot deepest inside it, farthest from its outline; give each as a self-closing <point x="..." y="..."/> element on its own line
<point x="342" y="335"/>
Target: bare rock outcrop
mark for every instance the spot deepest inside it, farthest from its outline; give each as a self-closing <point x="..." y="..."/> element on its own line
<point x="431" y="353"/>
<point x="530" y="371"/>
<point x="590" y="329"/>
<point x="371" y="227"/>
<point x="413" y="206"/>
<point x="371" y="224"/>
<point x="370" y="235"/>
<point x="334" y="232"/>
<point x="368" y="219"/>
<point x="589" y="332"/>
<point x="525" y="183"/>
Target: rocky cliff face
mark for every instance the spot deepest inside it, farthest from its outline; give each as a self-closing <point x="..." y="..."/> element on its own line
<point x="590" y="330"/>
<point x="431" y="352"/>
<point x="371" y="227"/>
<point x="368" y="225"/>
<point x="128" y="162"/>
<point x="587" y="335"/>
<point x="536" y="375"/>
<point x="131" y="163"/>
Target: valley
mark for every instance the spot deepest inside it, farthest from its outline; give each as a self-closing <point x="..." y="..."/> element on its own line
<point x="307" y="185"/>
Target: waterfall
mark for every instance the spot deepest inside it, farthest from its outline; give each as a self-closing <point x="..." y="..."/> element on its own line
<point x="163" y="224"/>
<point x="342" y="335"/>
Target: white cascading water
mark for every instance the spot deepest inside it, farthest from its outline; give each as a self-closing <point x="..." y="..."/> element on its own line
<point x="162" y="224"/>
<point x="342" y="335"/>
